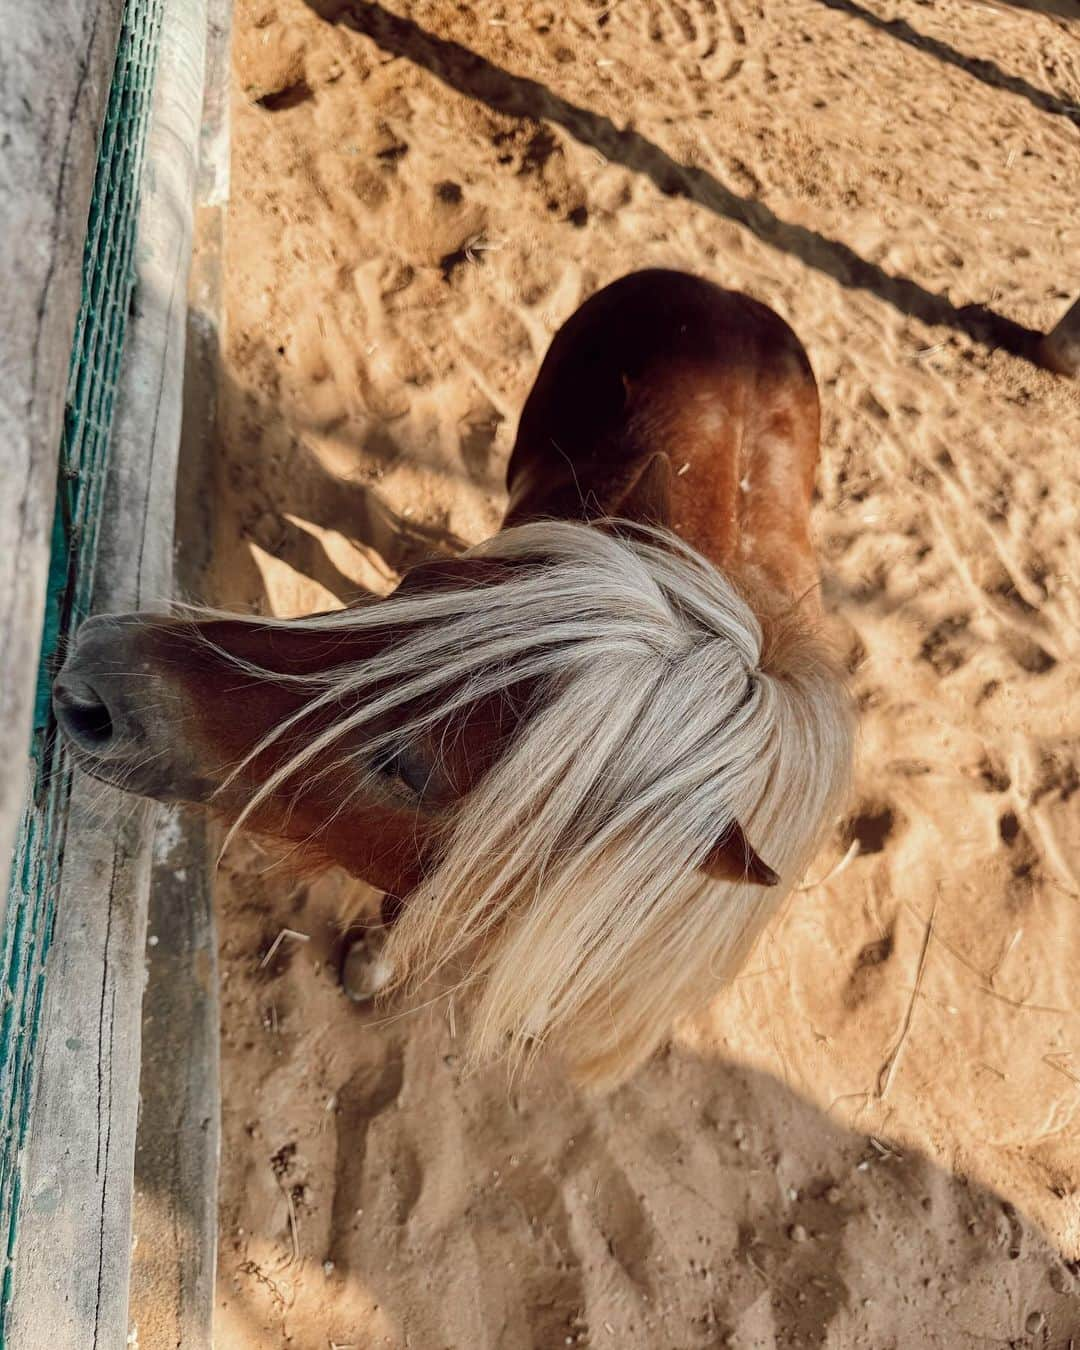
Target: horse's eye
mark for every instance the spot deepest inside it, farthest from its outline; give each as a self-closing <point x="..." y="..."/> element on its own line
<point x="405" y="765"/>
<point x="385" y="763"/>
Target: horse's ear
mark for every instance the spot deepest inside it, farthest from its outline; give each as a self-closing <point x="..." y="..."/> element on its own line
<point x="732" y="858"/>
<point x="647" y="497"/>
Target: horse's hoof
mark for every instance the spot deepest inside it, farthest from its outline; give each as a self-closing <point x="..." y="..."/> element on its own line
<point x="364" y="970"/>
<point x="1060" y="350"/>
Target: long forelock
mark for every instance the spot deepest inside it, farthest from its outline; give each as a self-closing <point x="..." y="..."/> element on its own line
<point x="569" y="883"/>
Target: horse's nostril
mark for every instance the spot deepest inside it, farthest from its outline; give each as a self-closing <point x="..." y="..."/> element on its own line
<point x="82" y="714"/>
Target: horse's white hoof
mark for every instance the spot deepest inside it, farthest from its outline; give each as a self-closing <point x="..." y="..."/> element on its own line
<point x="364" y="969"/>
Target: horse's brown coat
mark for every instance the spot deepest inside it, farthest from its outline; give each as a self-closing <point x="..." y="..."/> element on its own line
<point x="664" y="400"/>
<point x="664" y="364"/>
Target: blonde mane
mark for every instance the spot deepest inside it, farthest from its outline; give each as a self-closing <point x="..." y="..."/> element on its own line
<point x="569" y="883"/>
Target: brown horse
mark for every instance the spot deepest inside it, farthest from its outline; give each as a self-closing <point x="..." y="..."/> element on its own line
<point x="593" y="753"/>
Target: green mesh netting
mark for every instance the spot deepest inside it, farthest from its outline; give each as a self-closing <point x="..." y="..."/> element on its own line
<point x="107" y="286"/>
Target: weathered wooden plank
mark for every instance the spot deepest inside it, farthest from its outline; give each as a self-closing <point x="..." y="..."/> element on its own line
<point x="56" y="64"/>
<point x="71" y="1259"/>
<point x="176" y="1158"/>
<point x="73" y="1253"/>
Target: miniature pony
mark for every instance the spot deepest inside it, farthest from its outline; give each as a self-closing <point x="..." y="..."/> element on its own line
<point x="591" y="755"/>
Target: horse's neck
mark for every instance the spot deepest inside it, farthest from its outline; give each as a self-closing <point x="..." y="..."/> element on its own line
<point x="738" y="488"/>
<point x="743" y="452"/>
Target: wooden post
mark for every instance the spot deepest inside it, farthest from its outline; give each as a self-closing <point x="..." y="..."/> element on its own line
<point x="56" y="63"/>
<point x="72" y="1259"/>
<point x="177" y="1145"/>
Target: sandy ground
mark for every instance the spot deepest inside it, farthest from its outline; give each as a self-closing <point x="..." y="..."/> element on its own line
<point x="874" y="1138"/>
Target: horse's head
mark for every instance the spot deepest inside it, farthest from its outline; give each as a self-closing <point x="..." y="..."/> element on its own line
<point x="557" y="738"/>
<point x="314" y="732"/>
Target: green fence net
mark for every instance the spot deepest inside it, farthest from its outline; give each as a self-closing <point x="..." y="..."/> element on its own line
<point x="107" y="296"/>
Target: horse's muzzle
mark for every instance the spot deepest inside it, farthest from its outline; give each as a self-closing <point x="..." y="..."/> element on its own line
<point x="119" y="715"/>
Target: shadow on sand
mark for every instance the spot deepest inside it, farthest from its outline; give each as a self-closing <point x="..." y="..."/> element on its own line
<point x="988" y="72"/>
<point x="516" y="96"/>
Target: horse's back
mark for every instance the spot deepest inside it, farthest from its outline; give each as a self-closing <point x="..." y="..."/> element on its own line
<point x="661" y="313"/>
<point x="663" y="361"/>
